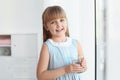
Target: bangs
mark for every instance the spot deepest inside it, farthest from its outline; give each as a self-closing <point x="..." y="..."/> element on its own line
<point x="53" y="13"/>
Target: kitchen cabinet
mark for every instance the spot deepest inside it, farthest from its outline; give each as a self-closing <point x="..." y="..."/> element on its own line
<point x="21" y="62"/>
<point x="5" y="45"/>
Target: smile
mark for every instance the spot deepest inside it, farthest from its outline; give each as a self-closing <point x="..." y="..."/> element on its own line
<point x="59" y="30"/>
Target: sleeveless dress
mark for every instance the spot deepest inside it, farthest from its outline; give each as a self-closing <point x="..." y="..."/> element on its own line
<point x="62" y="54"/>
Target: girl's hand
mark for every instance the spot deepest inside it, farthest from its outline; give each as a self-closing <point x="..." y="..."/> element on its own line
<point x="83" y="65"/>
<point x="73" y="68"/>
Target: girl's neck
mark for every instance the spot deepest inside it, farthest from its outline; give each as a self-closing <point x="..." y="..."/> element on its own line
<point x="59" y="39"/>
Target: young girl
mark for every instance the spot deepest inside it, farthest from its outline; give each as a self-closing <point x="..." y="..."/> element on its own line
<point x="59" y="50"/>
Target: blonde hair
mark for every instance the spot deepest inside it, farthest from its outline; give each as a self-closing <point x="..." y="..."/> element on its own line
<point x="51" y="13"/>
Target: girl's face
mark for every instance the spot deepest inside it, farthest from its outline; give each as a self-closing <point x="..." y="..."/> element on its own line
<point x="57" y="27"/>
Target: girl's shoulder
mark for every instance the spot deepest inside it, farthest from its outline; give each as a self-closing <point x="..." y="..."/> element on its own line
<point x="76" y="41"/>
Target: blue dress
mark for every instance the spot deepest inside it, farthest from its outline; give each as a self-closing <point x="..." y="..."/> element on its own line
<point x="62" y="54"/>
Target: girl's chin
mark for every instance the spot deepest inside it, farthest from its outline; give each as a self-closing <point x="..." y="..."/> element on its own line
<point x="61" y="35"/>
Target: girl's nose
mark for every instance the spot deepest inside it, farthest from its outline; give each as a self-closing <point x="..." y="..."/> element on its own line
<point x="58" y="24"/>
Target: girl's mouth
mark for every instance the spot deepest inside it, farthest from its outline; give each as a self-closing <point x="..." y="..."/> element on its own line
<point x="59" y="30"/>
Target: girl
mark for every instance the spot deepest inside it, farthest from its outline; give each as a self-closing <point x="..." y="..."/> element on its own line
<point x="58" y="50"/>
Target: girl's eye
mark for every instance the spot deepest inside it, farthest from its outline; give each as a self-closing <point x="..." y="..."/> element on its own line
<point x="61" y="20"/>
<point x="52" y="22"/>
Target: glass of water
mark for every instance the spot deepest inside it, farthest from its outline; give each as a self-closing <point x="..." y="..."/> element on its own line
<point x="77" y="61"/>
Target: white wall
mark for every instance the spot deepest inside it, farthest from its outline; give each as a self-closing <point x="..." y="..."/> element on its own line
<point x="19" y="16"/>
<point x="80" y="16"/>
<point x="113" y="38"/>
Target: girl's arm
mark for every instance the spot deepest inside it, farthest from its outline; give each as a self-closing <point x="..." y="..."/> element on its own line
<point x="81" y="56"/>
<point x="44" y="74"/>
